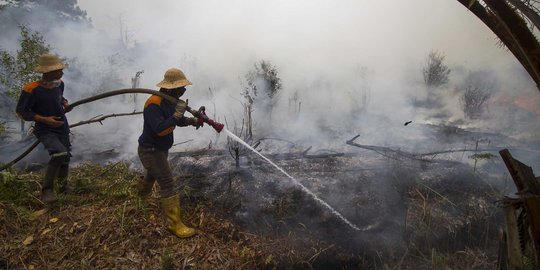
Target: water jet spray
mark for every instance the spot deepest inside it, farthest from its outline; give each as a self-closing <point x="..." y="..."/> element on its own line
<point x="201" y="115"/>
<point x="302" y="187"/>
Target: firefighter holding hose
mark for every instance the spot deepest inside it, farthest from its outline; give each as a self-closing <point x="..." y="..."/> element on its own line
<point x="161" y="117"/>
<point x="43" y="102"/>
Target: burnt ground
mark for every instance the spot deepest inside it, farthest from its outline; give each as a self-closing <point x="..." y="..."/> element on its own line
<point x="406" y="209"/>
<point x="412" y="214"/>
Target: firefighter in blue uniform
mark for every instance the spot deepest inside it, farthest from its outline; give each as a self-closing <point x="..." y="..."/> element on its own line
<point x="43" y="102"/>
<point x="161" y="118"/>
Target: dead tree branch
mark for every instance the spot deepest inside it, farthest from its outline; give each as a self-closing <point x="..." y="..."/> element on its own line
<point x="100" y="119"/>
<point x="395" y="154"/>
<point x="173" y="100"/>
<point x="17" y="159"/>
<point x="512" y="30"/>
<point x="98" y="97"/>
<point x="36" y="143"/>
<point x="325" y="155"/>
<point x="182" y="142"/>
<point x="386" y="151"/>
<point x="275" y="139"/>
<point x="459" y="150"/>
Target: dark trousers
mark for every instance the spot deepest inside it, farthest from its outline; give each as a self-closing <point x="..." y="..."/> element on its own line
<point x="59" y="149"/>
<point x="157" y="167"/>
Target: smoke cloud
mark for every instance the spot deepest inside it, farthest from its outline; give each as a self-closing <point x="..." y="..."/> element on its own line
<point x="318" y="48"/>
<point x="347" y="68"/>
<point x="354" y="67"/>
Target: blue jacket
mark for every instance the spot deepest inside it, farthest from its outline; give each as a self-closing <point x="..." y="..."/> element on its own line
<point x="37" y="99"/>
<point x="159" y="124"/>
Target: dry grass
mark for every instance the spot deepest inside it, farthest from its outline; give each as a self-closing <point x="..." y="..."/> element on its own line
<point x="106" y="226"/>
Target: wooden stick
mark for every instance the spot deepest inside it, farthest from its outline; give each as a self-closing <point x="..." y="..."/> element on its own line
<point x="512" y="239"/>
<point x="31" y="147"/>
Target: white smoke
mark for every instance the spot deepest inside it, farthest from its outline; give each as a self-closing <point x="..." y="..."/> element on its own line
<point x="316" y="46"/>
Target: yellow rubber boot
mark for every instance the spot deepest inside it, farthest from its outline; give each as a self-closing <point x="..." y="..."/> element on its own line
<point x="171" y="208"/>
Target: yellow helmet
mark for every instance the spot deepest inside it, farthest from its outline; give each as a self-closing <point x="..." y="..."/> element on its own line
<point x="173" y="78"/>
<point x="49" y="62"/>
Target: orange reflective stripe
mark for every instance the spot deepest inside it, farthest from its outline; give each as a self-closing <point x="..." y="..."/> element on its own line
<point x="153" y="100"/>
<point x="166" y="131"/>
<point x="29" y="88"/>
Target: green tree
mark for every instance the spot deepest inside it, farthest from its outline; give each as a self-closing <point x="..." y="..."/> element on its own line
<point x="67" y="10"/>
<point x="436" y="74"/>
<point x="264" y="79"/>
<point x="476" y="90"/>
<point x="262" y="90"/>
<point x="435" y="71"/>
<point x="17" y="69"/>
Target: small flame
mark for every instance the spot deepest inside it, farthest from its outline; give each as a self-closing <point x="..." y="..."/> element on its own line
<point x="529" y="102"/>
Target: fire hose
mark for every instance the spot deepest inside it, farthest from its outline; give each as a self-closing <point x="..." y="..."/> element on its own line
<point x="200" y="114"/>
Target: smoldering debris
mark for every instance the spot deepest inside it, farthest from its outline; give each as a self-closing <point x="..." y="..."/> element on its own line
<point x="397" y="203"/>
<point x="405" y="208"/>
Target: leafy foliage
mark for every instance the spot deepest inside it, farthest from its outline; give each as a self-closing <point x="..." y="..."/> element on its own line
<point x="476" y="91"/>
<point x="436" y="75"/>
<point x="17" y="69"/>
<point x="3" y="128"/>
<point x="436" y="71"/>
<point x="14" y="188"/>
<point x="262" y="90"/>
<point x="63" y="9"/>
<point x="264" y="78"/>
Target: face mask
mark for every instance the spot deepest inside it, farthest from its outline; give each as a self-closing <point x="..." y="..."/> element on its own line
<point x="175" y="93"/>
<point x="52" y="84"/>
<point x="56" y="83"/>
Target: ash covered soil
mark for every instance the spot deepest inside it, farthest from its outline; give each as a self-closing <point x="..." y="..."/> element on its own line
<point x="411" y="214"/>
<point x="404" y="209"/>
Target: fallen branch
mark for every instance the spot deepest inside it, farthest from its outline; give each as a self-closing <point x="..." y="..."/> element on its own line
<point x="385" y="151"/>
<point x="182" y="142"/>
<point x="36" y="143"/>
<point x="422" y="157"/>
<point x="327" y="155"/>
<point x="275" y="139"/>
<point x="459" y="150"/>
<point x="27" y="138"/>
<point x="17" y="159"/>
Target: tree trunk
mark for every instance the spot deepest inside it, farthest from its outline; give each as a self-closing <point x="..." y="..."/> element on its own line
<point x="527" y="11"/>
<point x="512" y="31"/>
